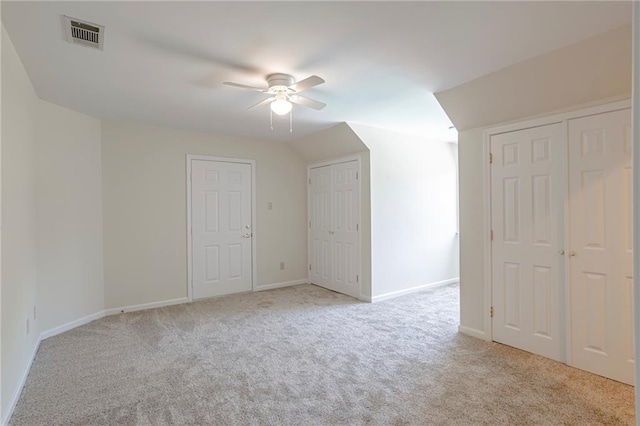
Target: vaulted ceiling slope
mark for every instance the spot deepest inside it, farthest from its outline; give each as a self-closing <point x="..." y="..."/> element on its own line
<point x="163" y="63"/>
<point x="590" y="71"/>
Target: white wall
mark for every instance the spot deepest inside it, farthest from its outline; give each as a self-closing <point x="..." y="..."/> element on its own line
<point x="19" y="248"/>
<point x="144" y="199"/>
<point x="413" y="210"/>
<point x="472" y="196"/>
<point x="335" y="142"/>
<point x="69" y="218"/>
<point x="52" y="220"/>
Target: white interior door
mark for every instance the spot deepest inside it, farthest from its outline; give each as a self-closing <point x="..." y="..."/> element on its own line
<point x="600" y="245"/>
<point x="346" y="238"/>
<point x="334" y="214"/>
<point x="221" y="228"/>
<point x="320" y="226"/>
<point x="527" y="216"/>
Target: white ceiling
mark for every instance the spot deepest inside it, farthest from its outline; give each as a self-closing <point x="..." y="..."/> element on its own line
<point x="163" y="62"/>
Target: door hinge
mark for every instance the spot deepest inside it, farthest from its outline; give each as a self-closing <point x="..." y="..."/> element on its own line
<point x="490" y="158"/>
<point x="357" y="227"/>
<point x="492" y="235"/>
<point x="309" y="266"/>
<point x="357" y="278"/>
<point x="491" y="312"/>
<point x="309" y="181"/>
<point x="357" y="174"/>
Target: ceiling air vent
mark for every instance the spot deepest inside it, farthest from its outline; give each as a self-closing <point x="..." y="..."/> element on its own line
<point x="84" y="33"/>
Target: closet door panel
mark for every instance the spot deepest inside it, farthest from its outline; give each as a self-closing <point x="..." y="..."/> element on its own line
<point x="527" y="215"/>
<point x="346" y="239"/>
<point x="334" y="214"/>
<point x="321" y="206"/>
<point x="600" y="244"/>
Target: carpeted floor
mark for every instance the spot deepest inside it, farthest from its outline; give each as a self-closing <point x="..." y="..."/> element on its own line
<point x="305" y="356"/>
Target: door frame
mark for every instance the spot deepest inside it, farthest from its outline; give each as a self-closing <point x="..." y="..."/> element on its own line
<point x="560" y="118"/>
<point x="254" y="231"/>
<point x="346" y="159"/>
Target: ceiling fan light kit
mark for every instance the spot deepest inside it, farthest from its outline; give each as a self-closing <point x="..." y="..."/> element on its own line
<point x="284" y="90"/>
<point x="281" y="106"/>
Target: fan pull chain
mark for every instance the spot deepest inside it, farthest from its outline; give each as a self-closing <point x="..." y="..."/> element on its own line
<point x="271" y="118"/>
<point x="291" y="121"/>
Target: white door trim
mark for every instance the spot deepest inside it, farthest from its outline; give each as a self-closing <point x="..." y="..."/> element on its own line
<point x="254" y="264"/>
<point x="486" y="179"/>
<point x="635" y="125"/>
<point x="337" y="160"/>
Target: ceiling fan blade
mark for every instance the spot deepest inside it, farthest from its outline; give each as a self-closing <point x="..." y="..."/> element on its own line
<point x="263" y="102"/>
<point x="307" y="83"/>
<point x="301" y="100"/>
<point x="243" y="86"/>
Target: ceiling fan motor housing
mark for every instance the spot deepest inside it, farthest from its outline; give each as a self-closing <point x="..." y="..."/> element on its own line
<point x="279" y="82"/>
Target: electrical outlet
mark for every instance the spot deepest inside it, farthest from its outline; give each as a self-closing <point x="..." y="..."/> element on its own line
<point x="27" y="325"/>
<point x="35" y="313"/>
<point x="282" y="266"/>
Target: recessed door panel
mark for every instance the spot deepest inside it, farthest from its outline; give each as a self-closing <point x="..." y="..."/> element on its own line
<point x="512" y="295"/>
<point x="235" y="211"/>
<point x="543" y="292"/>
<point x="541" y="210"/>
<point x="211" y="210"/>
<point x="511" y="210"/>
<point x="212" y="263"/>
<point x="628" y="319"/>
<point x="594" y="288"/>
<point x="593" y="193"/>
<point x="235" y="261"/>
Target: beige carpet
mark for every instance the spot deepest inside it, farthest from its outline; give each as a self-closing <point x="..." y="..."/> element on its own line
<point x="305" y="356"/>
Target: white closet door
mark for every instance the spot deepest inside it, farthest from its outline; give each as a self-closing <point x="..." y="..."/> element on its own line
<point x="334" y="214"/>
<point x="527" y="216"/>
<point x="221" y="234"/>
<point x="600" y="258"/>
<point x="346" y="239"/>
<point x="320" y="226"/>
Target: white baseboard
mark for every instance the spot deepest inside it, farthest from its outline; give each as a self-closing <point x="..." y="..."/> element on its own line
<point x="23" y="379"/>
<point x="279" y="285"/>
<point x="143" y="306"/>
<point x="70" y="325"/>
<point x="399" y="293"/>
<point x="472" y="332"/>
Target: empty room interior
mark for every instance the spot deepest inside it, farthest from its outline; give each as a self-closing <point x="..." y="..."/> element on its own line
<point x="318" y="213"/>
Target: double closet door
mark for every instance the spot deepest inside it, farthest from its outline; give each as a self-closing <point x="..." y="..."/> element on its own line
<point x="561" y="248"/>
<point x="334" y="229"/>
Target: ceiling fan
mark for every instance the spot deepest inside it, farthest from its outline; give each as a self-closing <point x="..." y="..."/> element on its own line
<point x="284" y="91"/>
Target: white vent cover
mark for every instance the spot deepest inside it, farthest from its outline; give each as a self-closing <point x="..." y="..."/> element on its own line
<point x="84" y="33"/>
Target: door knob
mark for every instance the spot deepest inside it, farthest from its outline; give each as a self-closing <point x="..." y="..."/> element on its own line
<point x="561" y="251"/>
<point x="247" y="235"/>
<point x="573" y="253"/>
